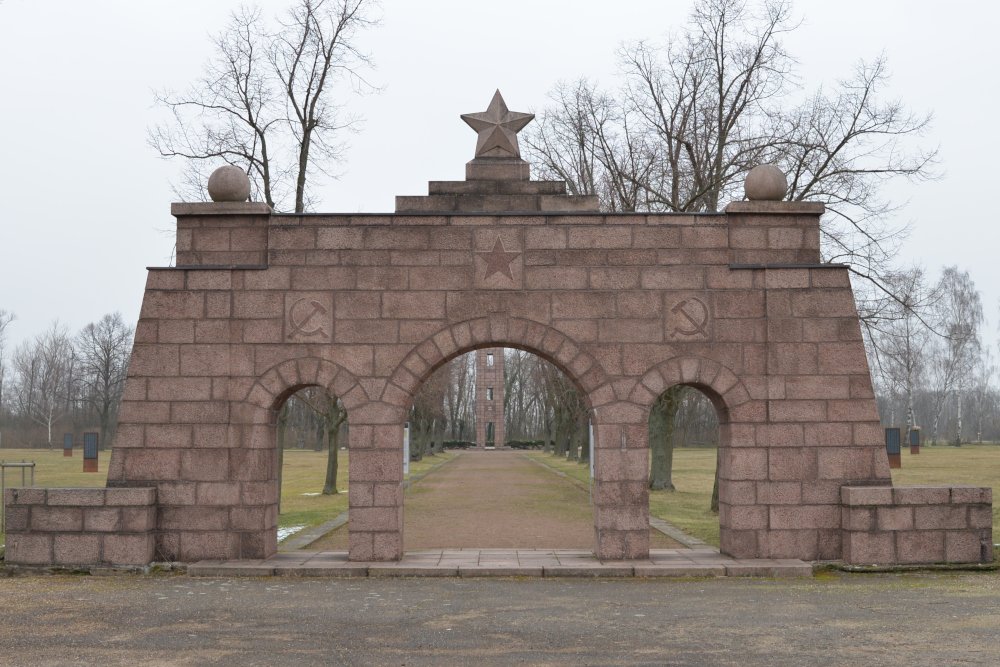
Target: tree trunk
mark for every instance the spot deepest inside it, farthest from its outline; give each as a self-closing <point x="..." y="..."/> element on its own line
<point x="332" y="464"/>
<point x="102" y="436"/>
<point x="333" y="418"/>
<point x="715" y="486"/>
<point x="661" y="441"/>
<point x="910" y="420"/>
<point x="439" y="437"/>
<point x="958" y="430"/>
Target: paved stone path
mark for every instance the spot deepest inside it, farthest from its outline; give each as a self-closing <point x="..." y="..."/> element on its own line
<point x="495" y="499"/>
<point x="699" y="562"/>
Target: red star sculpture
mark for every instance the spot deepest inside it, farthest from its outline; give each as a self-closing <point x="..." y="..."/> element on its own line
<point x="497" y="128"/>
<point x="498" y="260"/>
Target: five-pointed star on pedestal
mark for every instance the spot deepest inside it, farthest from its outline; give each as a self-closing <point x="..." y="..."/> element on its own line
<point x="497" y="128"/>
<point x="498" y="260"/>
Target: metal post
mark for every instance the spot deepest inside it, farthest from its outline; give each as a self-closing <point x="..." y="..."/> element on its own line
<point x="590" y="443"/>
<point x="406" y="448"/>
<point x="23" y="465"/>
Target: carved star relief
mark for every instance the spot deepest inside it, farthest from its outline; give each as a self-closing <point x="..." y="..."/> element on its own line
<point x="497" y="128"/>
<point x="498" y="260"/>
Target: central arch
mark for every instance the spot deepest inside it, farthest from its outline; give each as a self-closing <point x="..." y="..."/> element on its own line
<point x="376" y="471"/>
<point x="500" y="330"/>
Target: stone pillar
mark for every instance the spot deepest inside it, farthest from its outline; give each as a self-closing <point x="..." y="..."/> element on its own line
<point x="376" y="484"/>
<point x="620" y="492"/>
<point x="183" y="428"/>
<point x="813" y="426"/>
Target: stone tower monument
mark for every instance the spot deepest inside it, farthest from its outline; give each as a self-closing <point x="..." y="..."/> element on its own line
<point x="489" y="398"/>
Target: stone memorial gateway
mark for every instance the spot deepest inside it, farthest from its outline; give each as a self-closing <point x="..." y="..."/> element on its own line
<point x="262" y="304"/>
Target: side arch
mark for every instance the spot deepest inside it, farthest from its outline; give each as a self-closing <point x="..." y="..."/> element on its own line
<point x="284" y="379"/>
<point x="722" y="386"/>
<point x="743" y="462"/>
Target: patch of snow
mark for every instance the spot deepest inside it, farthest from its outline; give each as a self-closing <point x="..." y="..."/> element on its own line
<point x="288" y="531"/>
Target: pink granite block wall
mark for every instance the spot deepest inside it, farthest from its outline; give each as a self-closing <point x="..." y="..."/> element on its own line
<point x="80" y="527"/>
<point x="627" y="305"/>
<point x="917" y="525"/>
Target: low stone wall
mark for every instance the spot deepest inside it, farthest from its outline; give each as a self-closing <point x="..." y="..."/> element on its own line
<point x="80" y="527"/>
<point x="917" y="524"/>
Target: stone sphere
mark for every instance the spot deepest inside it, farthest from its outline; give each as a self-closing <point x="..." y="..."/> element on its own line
<point x="229" y="183"/>
<point x="765" y="182"/>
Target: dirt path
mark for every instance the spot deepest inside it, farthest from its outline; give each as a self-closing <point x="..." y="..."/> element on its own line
<point x="494" y="499"/>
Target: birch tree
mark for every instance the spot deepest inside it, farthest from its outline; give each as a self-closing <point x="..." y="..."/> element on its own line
<point x="904" y="337"/>
<point x="982" y="390"/>
<point x="959" y="315"/>
<point x="41" y="369"/>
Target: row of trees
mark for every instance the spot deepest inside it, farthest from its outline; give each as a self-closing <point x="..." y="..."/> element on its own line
<point x="58" y="382"/>
<point x="540" y="404"/>
<point x="931" y="365"/>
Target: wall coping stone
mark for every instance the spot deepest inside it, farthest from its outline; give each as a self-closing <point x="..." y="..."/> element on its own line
<point x="83" y="497"/>
<point x="210" y="267"/>
<point x="219" y="208"/>
<point x="773" y="267"/>
<point x="775" y="207"/>
<point x="916" y="495"/>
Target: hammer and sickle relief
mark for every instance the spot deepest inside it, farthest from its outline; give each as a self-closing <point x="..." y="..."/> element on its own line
<point x="306" y="318"/>
<point x="689" y="318"/>
<point x="695" y="313"/>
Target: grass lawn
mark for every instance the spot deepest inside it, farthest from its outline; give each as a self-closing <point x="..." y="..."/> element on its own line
<point x="688" y="506"/>
<point x="972" y="465"/>
<point x="302" y="480"/>
<point x="303" y="475"/>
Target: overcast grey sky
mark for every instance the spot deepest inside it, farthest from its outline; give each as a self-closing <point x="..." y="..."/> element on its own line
<point x="86" y="202"/>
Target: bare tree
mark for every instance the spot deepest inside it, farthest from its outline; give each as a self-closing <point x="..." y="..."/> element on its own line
<point x="661" y="432"/>
<point x="840" y="149"/>
<point x="697" y="111"/>
<point x="596" y="144"/>
<point x="427" y="415"/>
<point x="981" y="389"/>
<point x="5" y="319"/>
<point x="271" y="101"/>
<point x="901" y="338"/>
<point x="103" y="349"/>
<point x="459" y="396"/>
<point x="316" y="414"/>
<point x="566" y="413"/>
<point x="959" y="314"/>
<point x="523" y="396"/>
<point x="41" y="369"/>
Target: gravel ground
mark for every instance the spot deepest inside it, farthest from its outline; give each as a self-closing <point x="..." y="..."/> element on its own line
<point x="939" y="619"/>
